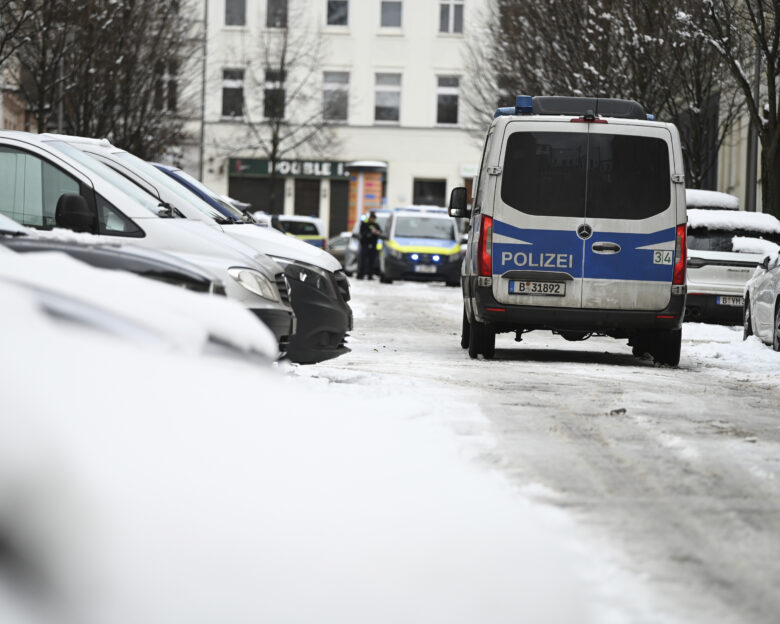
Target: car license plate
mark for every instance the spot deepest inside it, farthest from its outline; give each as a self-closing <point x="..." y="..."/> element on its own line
<point x="425" y="268"/>
<point x="556" y="289"/>
<point x="729" y="301"/>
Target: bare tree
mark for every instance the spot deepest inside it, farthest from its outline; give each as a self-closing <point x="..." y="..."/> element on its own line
<point x="14" y="17"/>
<point x="283" y="111"/>
<point x="106" y="68"/>
<point x="739" y="31"/>
<point x="605" y="48"/>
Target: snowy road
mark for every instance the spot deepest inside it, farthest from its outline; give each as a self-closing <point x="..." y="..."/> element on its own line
<point x="670" y="475"/>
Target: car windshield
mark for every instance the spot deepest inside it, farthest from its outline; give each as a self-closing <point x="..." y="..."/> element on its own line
<point x="424" y="227"/>
<point x="183" y="197"/>
<point x="225" y="208"/>
<point x="705" y="239"/>
<point x="299" y="228"/>
<point x="109" y="175"/>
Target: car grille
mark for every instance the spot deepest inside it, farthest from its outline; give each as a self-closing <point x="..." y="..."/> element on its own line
<point x="284" y="288"/>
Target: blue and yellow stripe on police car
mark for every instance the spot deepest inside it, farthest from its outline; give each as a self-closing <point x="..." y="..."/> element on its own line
<point x="423" y="247"/>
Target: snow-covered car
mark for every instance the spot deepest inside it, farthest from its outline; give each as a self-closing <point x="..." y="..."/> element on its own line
<point x="709" y="200"/>
<point x="138" y="310"/>
<point x="144" y="262"/>
<point x="761" y="313"/>
<point x="352" y="252"/>
<point x="423" y="243"/>
<point x="724" y="248"/>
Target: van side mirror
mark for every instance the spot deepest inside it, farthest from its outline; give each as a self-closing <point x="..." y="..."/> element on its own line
<point x="458" y="205"/>
<point x="765" y="263"/>
<point x="74" y="213"/>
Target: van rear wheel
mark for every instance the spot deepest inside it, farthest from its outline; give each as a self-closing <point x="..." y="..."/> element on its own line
<point x="482" y="339"/>
<point x="665" y="347"/>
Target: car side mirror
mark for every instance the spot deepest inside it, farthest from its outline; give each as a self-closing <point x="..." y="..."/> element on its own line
<point x="74" y="213"/>
<point x="458" y="206"/>
<point x="765" y="263"/>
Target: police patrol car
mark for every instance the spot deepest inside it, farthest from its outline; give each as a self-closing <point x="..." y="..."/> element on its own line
<point x="578" y="226"/>
<point x="422" y="243"/>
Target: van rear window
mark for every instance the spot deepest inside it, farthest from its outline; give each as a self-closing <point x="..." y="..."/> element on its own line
<point x="577" y="174"/>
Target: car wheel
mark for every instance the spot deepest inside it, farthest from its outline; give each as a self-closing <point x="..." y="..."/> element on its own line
<point x="464" y="331"/>
<point x="665" y="347"/>
<point x="482" y="339"/>
<point x="384" y="279"/>
<point x="776" y="333"/>
<point x="747" y="321"/>
<point x="638" y="344"/>
<point x="453" y="284"/>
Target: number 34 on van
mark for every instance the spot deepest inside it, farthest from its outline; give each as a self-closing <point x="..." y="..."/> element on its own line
<point x="538" y="260"/>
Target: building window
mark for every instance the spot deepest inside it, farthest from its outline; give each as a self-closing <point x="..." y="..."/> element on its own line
<point x="274" y="94"/>
<point x="335" y="95"/>
<point x="276" y="14"/>
<point x="232" y="92"/>
<point x="387" y="106"/>
<point x="391" y="14"/>
<point x="235" y="12"/>
<point x="165" y="86"/>
<point x="338" y="12"/>
<point x="429" y="192"/>
<point x="447" y="100"/>
<point x="451" y="16"/>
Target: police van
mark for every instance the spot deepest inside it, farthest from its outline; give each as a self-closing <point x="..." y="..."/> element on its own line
<point x="578" y="226"/>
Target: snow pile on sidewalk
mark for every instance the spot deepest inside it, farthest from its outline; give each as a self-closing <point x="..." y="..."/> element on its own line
<point x="159" y="488"/>
<point x="721" y="346"/>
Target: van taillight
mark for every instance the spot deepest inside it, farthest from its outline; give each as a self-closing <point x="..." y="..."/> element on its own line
<point x="679" y="256"/>
<point x="486" y="247"/>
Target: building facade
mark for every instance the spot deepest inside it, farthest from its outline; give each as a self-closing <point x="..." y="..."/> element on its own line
<point x="357" y="102"/>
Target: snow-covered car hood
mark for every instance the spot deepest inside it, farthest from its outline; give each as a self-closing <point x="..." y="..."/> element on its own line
<point x="184" y="321"/>
<point x="274" y="243"/>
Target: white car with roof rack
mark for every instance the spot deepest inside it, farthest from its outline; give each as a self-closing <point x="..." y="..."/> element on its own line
<point x="578" y="227"/>
<point x="724" y="247"/>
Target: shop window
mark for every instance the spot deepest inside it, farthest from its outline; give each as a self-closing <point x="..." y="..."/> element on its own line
<point x="429" y="192"/>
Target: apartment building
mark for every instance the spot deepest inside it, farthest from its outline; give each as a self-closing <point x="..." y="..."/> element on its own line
<point x="385" y="76"/>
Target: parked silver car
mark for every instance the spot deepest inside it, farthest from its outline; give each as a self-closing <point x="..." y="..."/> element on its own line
<point x="761" y="313"/>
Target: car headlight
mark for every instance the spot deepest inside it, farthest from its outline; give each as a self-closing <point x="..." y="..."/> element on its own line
<point x="393" y="253"/>
<point x="307" y="274"/>
<point x="255" y="282"/>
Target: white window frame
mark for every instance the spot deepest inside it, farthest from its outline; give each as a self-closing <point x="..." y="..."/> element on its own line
<point x="233" y="83"/>
<point x="335" y="86"/>
<point x="451" y="4"/>
<point x="388" y="89"/>
<point x="447" y="90"/>
<point x="336" y="26"/>
<point x="391" y="28"/>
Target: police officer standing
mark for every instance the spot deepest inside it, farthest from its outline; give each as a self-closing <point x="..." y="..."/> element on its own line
<point x="370" y="233"/>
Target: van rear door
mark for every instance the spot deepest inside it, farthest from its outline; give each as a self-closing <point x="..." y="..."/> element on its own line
<point x="539" y="204"/>
<point x="630" y="212"/>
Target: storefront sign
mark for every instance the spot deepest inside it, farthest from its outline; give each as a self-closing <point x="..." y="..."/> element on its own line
<point x="260" y="167"/>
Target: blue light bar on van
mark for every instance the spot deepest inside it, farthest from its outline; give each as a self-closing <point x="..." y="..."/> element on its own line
<point x="650" y="117"/>
<point x="524" y="105"/>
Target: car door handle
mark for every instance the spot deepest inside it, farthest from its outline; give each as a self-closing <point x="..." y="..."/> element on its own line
<point x="605" y="248"/>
